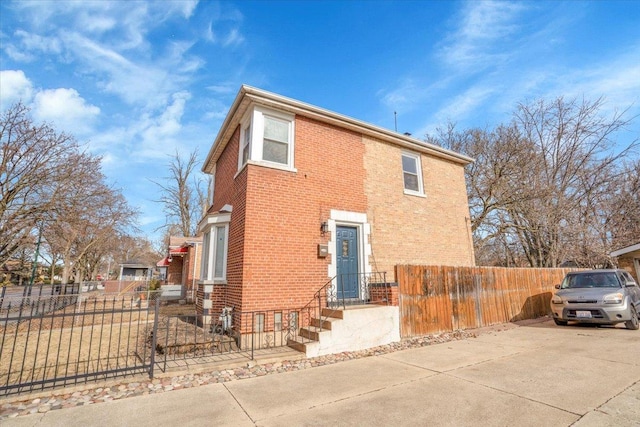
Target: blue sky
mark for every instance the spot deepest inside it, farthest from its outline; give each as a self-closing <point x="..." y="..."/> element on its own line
<point x="136" y="80"/>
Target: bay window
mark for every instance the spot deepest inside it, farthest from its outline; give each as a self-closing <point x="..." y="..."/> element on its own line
<point x="215" y="244"/>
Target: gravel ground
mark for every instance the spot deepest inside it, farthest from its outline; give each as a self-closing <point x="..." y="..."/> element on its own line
<point x="120" y="389"/>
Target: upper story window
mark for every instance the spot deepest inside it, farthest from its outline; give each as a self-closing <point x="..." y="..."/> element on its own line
<point x="245" y="149"/>
<point x="412" y="174"/>
<point x="267" y="138"/>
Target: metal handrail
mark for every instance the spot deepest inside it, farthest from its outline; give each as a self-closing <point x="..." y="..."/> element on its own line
<point x="333" y="300"/>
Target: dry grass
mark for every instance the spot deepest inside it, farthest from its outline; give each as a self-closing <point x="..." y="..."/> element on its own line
<point x="98" y="335"/>
<point x="79" y="339"/>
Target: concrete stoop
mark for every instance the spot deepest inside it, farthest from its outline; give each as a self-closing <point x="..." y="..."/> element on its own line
<point x="351" y="329"/>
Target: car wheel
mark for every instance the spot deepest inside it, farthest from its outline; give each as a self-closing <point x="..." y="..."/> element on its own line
<point x="560" y="322"/>
<point x="633" y="323"/>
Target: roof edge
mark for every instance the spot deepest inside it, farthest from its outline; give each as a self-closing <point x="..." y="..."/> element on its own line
<point x="260" y="96"/>
<point x="628" y="249"/>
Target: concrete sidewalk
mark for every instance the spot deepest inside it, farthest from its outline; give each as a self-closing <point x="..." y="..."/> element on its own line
<point x="538" y="375"/>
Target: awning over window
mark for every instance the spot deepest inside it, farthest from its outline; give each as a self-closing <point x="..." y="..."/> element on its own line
<point x="178" y="251"/>
<point x="163" y="262"/>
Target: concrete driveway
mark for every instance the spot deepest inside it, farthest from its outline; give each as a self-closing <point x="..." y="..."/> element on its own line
<point x="532" y="375"/>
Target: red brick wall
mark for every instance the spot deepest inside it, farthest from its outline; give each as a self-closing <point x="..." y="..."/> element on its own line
<point x="275" y="223"/>
<point x="174" y="271"/>
<point x="231" y="191"/>
<point x="386" y="294"/>
<point x="191" y="269"/>
<point x="285" y="209"/>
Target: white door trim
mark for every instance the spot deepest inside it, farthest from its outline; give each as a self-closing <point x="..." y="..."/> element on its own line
<point x="350" y="219"/>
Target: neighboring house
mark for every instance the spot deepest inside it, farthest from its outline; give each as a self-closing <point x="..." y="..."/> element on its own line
<point x="135" y="270"/>
<point x="14" y="272"/>
<point x="182" y="264"/>
<point x="629" y="259"/>
<point x="301" y="196"/>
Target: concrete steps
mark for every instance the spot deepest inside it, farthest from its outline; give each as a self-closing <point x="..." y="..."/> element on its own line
<point x="308" y="337"/>
<point x="350" y="329"/>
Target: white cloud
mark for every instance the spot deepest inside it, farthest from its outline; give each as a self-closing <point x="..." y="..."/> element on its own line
<point x="209" y="34"/>
<point x="127" y="22"/>
<point x="96" y="23"/>
<point x="38" y="43"/>
<point x="66" y="110"/>
<point x="187" y="7"/>
<point x="108" y="42"/>
<point x="149" y="136"/>
<point x="15" y="87"/>
<point x="223" y="88"/>
<point x="403" y="94"/>
<point x="459" y="108"/>
<point x="134" y="82"/>
<point x="26" y="47"/>
<point x="482" y="38"/>
<point x="234" y="38"/>
<point x="616" y="78"/>
<point x="168" y="123"/>
<point x="479" y="39"/>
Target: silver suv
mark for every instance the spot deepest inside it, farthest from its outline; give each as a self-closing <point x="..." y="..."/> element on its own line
<point x="597" y="296"/>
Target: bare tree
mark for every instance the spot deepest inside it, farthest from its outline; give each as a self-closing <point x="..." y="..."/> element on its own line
<point x="182" y="194"/>
<point x="576" y="160"/>
<point x="32" y="160"/>
<point x="540" y="191"/>
<point x="138" y="249"/>
<point x="93" y="213"/>
<point x="49" y="186"/>
<point x="622" y="219"/>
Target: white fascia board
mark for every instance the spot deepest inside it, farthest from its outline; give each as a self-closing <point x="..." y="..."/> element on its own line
<point x="248" y="94"/>
<point x="283" y="103"/>
<point x="626" y="250"/>
<point x="218" y="218"/>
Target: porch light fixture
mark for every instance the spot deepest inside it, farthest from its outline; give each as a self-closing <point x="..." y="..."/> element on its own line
<point x="324" y="228"/>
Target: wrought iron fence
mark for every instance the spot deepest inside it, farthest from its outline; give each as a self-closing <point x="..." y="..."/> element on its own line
<point x="47" y="298"/>
<point x="57" y="337"/>
<point x="354" y="289"/>
<point x="50" y="341"/>
<point x="185" y="340"/>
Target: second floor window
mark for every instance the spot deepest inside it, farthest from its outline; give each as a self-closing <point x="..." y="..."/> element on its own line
<point x="246" y="144"/>
<point x="267" y="138"/>
<point x="412" y="174"/>
<point x="275" y="140"/>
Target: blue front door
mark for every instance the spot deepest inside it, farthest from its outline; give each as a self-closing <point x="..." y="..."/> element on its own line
<point x="347" y="260"/>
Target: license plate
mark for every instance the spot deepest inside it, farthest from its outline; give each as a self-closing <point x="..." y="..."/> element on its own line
<point x="583" y="314"/>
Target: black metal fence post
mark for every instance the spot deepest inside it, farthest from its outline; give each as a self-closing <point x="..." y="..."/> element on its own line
<point x="154" y="338"/>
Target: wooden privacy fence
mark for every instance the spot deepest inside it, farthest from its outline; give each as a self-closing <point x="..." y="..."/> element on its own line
<point x="437" y="299"/>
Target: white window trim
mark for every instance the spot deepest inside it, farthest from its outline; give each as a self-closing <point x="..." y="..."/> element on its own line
<point x="255" y="118"/>
<point x="209" y="226"/>
<point x="418" y="158"/>
<point x="212" y="187"/>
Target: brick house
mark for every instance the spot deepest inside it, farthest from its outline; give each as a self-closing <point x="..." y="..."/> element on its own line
<point x="182" y="264"/>
<point x="301" y="196"/>
<point x="629" y="259"/>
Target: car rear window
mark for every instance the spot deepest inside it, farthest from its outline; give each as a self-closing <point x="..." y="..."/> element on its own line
<point x="591" y="280"/>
